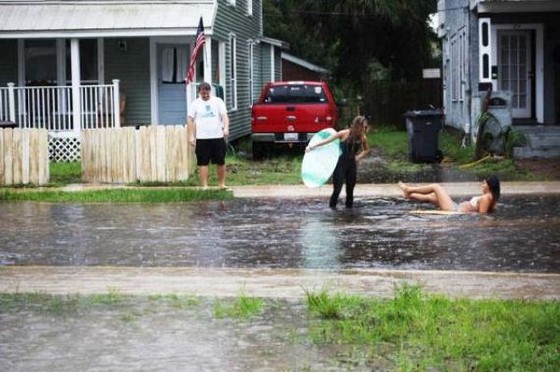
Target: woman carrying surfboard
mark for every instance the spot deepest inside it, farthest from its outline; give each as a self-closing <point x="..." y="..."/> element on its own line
<point x="437" y="195"/>
<point x="353" y="147"/>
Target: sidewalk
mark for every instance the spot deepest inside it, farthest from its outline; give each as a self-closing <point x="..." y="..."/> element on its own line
<point x="274" y="283"/>
<point x="390" y="190"/>
<point x="361" y="190"/>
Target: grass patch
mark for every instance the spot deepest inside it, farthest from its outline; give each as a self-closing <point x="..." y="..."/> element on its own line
<point x="65" y="173"/>
<point x="433" y="332"/>
<point x="128" y="195"/>
<point x="393" y="146"/>
<point x="281" y="170"/>
<point x="411" y="331"/>
<point x="243" y="307"/>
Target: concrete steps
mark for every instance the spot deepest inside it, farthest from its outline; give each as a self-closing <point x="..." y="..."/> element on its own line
<point x="542" y="142"/>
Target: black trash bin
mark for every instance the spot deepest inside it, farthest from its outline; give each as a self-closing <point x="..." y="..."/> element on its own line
<point x="7" y="124"/>
<point x="423" y="128"/>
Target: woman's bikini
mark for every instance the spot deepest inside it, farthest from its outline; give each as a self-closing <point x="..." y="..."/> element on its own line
<point x="472" y="205"/>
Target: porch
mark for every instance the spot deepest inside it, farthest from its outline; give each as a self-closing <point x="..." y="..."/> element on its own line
<point x="63" y="111"/>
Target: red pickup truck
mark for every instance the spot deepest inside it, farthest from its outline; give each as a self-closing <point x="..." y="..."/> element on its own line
<point x="289" y="113"/>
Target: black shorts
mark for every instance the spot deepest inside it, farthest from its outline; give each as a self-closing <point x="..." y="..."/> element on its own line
<point x="210" y="150"/>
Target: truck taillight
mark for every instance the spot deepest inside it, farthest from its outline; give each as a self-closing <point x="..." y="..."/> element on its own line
<point x="323" y="119"/>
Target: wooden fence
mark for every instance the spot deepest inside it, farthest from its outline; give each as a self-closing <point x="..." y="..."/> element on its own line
<point x="387" y="101"/>
<point x="24" y="156"/>
<point x="124" y="155"/>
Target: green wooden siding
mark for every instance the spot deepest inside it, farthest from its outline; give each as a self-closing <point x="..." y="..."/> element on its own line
<point x="132" y="68"/>
<point x="234" y="19"/>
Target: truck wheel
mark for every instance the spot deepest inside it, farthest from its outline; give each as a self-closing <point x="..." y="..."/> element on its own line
<point x="258" y="150"/>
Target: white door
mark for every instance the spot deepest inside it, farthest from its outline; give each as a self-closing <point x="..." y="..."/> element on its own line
<point x="515" y="70"/>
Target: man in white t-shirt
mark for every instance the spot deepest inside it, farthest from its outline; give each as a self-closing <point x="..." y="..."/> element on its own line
<point x="209" y="125"/>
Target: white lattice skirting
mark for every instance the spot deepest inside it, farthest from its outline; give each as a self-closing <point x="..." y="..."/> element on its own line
<point x="64" y="149"/>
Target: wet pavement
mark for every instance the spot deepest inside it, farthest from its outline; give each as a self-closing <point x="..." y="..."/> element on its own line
<point x="289" y="234"/>
<point x="272" y="242"/>
<point x="274" y="283"/>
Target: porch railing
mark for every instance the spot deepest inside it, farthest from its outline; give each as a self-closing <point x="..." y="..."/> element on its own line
<point x="53" y="107"/>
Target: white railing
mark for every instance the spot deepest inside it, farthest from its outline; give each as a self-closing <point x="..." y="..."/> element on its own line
<point x="52" y="107"/>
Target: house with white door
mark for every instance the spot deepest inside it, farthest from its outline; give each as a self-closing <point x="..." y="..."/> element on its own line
<point x="72" y="65"/>
<point x="511" y="47"/>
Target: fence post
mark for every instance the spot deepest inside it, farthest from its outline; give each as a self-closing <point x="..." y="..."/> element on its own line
<point x="12" y="102"/>
<point x="116" y="104"/>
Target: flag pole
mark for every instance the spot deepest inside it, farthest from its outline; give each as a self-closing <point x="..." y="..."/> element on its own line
<point x="191" y="72"/>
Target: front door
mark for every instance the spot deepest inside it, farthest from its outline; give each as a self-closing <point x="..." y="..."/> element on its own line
<point x="172" y="65"/>
<point x="515" y="71"/>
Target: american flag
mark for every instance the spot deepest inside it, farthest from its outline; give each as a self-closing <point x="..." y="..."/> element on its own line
<point x="200" y="40"/>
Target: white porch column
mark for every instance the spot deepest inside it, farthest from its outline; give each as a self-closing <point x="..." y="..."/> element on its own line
<point x="208" y="60"/>
<point x="12" y="102"/>
<point x="116" y="103"/>
<point x="76" y="80"/>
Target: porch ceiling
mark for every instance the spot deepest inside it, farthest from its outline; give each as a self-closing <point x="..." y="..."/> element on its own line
<point x="516" y="6"/>
<point x="47" y="19"/>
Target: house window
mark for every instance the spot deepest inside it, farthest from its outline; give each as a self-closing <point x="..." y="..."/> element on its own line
<point x="233" y="71"/>
<point x="88" y="62"/>
<point x="250" y="7"/>
<point x="49" y="62"/>
<point x="173" y="65"/>
<point x="40" y="62"/>
<point x="458" y="65"/>
<point x="250" y="54"/>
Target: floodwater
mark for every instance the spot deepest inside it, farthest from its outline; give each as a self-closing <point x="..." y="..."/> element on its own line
<point x="381" y="233"/>
<point x="143" y="334"/>
<point x="146" y="334"/>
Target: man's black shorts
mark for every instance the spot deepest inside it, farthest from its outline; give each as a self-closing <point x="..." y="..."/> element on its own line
<point x="210" y="150"/>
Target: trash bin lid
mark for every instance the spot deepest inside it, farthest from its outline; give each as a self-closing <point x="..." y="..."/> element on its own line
<point x="430" y="112"/>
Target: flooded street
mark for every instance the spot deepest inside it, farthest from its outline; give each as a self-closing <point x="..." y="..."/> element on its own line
<point x="380" y="233"/>
<point x="159" y="335"/>
<point x="171" y="265"/>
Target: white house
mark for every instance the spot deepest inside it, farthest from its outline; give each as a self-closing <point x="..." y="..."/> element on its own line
<point x="509" y="46"/>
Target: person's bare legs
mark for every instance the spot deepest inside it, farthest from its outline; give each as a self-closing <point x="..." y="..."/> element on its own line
<point x="203" y="176"/>
<point x="433" y="193"/>
<point x="221" y="171"/>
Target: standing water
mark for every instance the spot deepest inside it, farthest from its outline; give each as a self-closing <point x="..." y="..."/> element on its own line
<point x="523" y="236"/>
<point x="182" y="333"/>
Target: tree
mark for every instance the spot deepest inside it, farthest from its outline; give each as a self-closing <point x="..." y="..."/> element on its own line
<point x="357" y="40"/>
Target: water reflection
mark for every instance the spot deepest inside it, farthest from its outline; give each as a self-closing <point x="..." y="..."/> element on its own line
<point x="320" y="245"/>
<point x="278" y="233"/>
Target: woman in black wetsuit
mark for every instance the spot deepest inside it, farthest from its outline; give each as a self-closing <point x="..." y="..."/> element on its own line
<point x="354" y="146"/>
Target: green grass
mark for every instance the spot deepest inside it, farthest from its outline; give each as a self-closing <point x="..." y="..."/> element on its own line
<point x="393" y="145"/>
<point x="119" y="195"/>
<point x="243" y="307"/>
<point x="281" y="170"/>
<point x="411" y="331"/>
<point x="65" y="173"/>
<point x="436" y="333"/>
